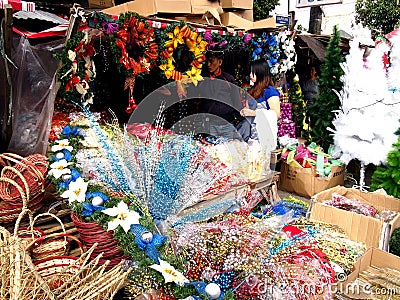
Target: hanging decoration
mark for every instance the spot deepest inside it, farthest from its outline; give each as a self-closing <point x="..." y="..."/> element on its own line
<point x="136" y="51"/>
<point x="77" y="70"/>
<point x="267" y="47"/>
<point x="183" y="53"/>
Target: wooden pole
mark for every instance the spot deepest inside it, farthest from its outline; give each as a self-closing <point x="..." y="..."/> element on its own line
<point x="7" y="40"/>
<point x="315" y="20"/>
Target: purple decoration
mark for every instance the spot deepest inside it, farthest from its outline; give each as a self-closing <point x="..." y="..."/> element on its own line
<point x="110" y="28"/>
<point x="247" y="38"/>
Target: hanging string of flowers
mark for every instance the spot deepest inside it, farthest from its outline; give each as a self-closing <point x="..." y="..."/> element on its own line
<point x="77" y="69"/>
<point x="135" y="50"/>
<point x="182" y="53"/>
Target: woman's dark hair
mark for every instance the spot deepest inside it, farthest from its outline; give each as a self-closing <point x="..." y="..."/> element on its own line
<point x="260" y="69"/>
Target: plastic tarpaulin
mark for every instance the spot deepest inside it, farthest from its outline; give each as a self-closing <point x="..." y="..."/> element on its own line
<point x="33" y="95"/>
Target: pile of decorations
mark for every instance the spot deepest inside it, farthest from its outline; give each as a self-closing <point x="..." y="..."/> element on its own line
<point x="143" y="195"/>
<point x="360" y="207"/>
<point x="311" y="156"/>
<point x="286" y="125"/>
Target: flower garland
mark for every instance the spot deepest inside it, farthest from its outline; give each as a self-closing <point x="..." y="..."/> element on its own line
<point x="135" y="50"/>
<point x="77" y="69"/>
<point x="174" y="36"/>
<point x="288" y="53"/>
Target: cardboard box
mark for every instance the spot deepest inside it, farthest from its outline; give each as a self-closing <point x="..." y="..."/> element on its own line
<point x="264" y="24"/>
<point x="231" y="19"/>
<point x="200" y="7"/>
<point x="372" y="260"/>
<point x="243" y="4"/>
<point x="372" y="231"/>
<point x="147" y="8"/>
<point x="100" y="3"/>
<point x="243" y="13"/>
<point x="304" y="181"/>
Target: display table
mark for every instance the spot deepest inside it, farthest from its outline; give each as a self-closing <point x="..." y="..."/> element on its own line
<point x="267" y="185"/>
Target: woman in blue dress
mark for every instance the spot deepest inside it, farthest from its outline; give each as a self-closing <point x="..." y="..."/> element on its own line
<point x="264" y="96"/>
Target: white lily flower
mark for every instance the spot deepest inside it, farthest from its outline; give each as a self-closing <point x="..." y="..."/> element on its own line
<point x="71" y="55"/>
<point x="170" y="273"/>
<point x="124" y="217"/>
<point x="62" y="144"/>
<point x="76" y="191"/>
<point x="59" y="168"/>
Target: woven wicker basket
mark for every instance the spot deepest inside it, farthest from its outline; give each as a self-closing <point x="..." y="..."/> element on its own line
<point x="80" y="279"/>
<point x="9" y="212"/>
<point x="28" y="172"/>
<point x="92" y="233"/>
<point x="56" y="269"/>
<point x="44" y="247"/>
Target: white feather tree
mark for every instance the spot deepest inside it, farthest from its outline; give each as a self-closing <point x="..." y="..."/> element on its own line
<point x="368" y="118"/>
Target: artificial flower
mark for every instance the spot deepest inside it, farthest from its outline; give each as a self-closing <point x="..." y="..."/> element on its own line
<point x="63" y="154"/>
<point x="74" y="175"/>
<point x="67" y="131"/>
<point x="123" y="216"/>
<point x="89" y="209"/>
<point x="59" y="168"/>
<point x="176" y="37"/>
<point x="170" y="273"/>
<point x="195" y="75"/>
<point x="76" y="191"/>
<point x="168" y="68"/>
<point x="62" y="144"/>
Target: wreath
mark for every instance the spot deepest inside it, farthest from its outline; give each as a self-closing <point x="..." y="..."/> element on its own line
<point x="77" y="69"/>
<point x="183" y="53"/>
<point x="135" y="50"/>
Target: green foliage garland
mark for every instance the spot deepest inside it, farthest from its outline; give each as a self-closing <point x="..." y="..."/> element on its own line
<point x="70" y="75"/>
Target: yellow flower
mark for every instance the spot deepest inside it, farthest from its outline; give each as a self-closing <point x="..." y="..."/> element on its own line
<point x="168" y="68"/>
<point x="195" y="75"/>
<point x="176" y="37"/>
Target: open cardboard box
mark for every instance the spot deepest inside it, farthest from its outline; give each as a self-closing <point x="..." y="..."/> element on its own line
<point x="232" y="19"/>
<point x="372" y="260"/>
<point x="147" y="8"/>
<point x="304" y="181"/>
<point x="372" y="231"/>
<point x="242" y="4"/>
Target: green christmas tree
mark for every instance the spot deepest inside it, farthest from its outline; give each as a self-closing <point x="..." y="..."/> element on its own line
<point x="321" y="112"/>
<point x="387" y="176"/>
<point x="296" y="98"/>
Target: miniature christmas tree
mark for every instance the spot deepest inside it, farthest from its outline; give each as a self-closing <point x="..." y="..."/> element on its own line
<point x="322" y="110"/>
<point x="387" y="176"/>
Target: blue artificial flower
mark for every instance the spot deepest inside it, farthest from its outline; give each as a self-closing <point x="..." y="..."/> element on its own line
<point x="67" y="155"/>
<point x="90" y="195"/>
<point x="74" y="176"/>
<point x="89" y="209"/>
<point x="67" y="131"/>
<point x="149" y="246"/>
